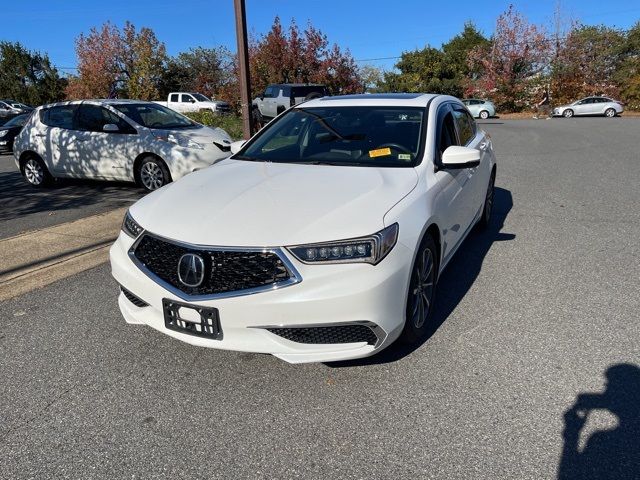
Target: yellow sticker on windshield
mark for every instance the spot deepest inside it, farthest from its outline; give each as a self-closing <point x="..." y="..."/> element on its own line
<point x="380" y="152"/>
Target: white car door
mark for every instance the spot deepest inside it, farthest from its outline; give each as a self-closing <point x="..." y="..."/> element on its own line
<point x="60" y="139"/>
<point x="472" y="137"/>
<point x="102" y="154"/>
<point x="188" y="103"/>
<point x="456" y="196"/>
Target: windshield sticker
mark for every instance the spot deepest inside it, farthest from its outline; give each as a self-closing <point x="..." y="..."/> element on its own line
<point x="380" y="152"/>
<point x="404" y="156"/>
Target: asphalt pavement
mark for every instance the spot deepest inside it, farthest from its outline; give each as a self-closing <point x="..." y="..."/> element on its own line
<point x="529" y="315"/>
<point x="24" y="208"/>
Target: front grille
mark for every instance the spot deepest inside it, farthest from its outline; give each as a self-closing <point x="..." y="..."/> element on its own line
<point x="225" y="270"/>
<point x="133" y="299"/>
<point x="329" y="334"/>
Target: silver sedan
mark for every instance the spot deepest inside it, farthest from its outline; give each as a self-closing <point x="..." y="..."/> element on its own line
<point x="480" y="108"/>
<point x="590" y="106"/>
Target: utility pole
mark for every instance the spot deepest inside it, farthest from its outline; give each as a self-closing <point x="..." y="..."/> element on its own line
<point x="243" y="64"/>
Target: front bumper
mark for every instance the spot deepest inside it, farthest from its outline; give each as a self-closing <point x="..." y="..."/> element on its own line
<point x="337" y="294"/>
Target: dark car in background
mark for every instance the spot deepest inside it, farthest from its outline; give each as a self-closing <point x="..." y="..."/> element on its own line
<point x="10" y="130"/>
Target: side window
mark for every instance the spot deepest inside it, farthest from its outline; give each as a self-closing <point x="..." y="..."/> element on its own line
<point x="174" y="97"/>
<point x="93" y="118"/>
<point x="286" y="91"/>
<point x="270" y="92"/>
<point x="60" y="117"/>
<point x="465" y="128"/>
<point x="187" y="98"/>
<point x="447" y="134"/>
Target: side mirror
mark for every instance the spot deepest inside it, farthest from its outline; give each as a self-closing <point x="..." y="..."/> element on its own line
<point x="456" y="157"/>
<point x="237" y="146"/>
<point x="110" y="127"/>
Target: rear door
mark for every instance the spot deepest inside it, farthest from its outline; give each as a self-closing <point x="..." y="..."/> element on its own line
<point x="60" y="138"/>
<point x="187" y="103"/>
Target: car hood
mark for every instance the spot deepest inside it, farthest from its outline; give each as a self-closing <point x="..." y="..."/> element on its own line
<point x="202" y="134"/>
<point x="243" y="203"/>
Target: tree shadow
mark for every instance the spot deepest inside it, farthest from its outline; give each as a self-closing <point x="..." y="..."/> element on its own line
<point x="18" y="198"/>
<point x="608" y="454"/>
<point x="455" y="281"/>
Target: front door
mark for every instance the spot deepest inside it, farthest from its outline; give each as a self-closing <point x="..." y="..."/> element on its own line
<point x="102" y="154"/>
<point x="455" y="197"/>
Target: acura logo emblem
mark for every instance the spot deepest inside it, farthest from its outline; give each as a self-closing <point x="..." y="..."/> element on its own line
<point x="191" y="269"/>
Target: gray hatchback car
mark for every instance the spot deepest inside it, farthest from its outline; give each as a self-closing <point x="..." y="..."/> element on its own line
<point x="590" y="106"/>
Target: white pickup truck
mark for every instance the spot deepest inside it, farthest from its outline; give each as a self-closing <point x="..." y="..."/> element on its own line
<point x="194" y="102"/>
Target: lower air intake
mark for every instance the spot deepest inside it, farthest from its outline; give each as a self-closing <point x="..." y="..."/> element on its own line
<point x="133" y="299"/>
<point x="329" y="334"/>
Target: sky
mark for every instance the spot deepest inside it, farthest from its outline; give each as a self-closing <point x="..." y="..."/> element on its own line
<point x="372" y="30"/>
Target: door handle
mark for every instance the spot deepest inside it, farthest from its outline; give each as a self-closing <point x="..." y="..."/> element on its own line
<point x="39" y="134"/>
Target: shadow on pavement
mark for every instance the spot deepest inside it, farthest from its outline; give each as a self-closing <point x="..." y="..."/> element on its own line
<point x="455" y="281"/>
<point x="608" y="454"/>
<point x="18" y="198"/>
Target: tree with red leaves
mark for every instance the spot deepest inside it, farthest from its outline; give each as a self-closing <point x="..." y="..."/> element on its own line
<point x="514" y="66"/>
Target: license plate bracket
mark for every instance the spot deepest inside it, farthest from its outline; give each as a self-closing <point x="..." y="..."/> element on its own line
<point x="208" y="326"/>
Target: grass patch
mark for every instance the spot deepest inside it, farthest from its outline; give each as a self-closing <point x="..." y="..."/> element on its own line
<point x="230" y="123"/>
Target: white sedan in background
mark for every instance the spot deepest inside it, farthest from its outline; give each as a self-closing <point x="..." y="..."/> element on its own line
<point x="590" y="106"/>
<point x="320" y="239"/>
<point x="480" y="108"/>
<point x="115" y="140"/>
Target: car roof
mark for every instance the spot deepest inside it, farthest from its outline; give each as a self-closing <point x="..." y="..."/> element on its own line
<point x="101" y="101"/>
<point x="374" y="99"/>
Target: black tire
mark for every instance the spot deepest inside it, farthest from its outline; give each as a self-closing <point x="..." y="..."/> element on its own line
<point x="312" y="95"/>
<point x="610" y="112"/>
<point x="257" y="119"/>
<point x="568" y="113"/>
<point x="484" y="114"/>
<point x="152" y="173"/>
<point x="487" y="208"/>
<point x="35" y="172"/>
<point x="421" y="294"/>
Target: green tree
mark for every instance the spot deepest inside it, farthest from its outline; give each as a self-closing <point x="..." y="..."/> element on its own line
<point x="203" y="70"/>
<point x="627" y="76"/>
<point x="438" y="70"/>
<point x="27" y="76"/>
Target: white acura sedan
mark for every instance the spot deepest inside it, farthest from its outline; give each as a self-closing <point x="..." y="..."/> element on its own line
<point x="320" y="239"/>
<point x="126" y="140"/>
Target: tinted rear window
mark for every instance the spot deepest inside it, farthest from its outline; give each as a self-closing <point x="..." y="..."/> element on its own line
<point x="61" y="116"/>
<point x="304" y="91"/>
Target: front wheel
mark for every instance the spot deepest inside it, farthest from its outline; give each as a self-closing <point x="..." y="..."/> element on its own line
<point x="484" y="115"/>
<point x="568" y="113"/>
<point x="422" y="290"/>
<point x="153" y="174"/>
<point x="610" y="112"/>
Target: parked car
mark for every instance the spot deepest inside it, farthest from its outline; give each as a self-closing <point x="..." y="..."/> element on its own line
<point x="590" y="106"/>
<point x="184" y="102"/>
<point x="10" y="130"/>
<point x="480" y="108"/>
<point x="278" y="97"/>
<point x="115" y="140"/>
<point x="12" y="108"/>
<point x="322" y="238"/>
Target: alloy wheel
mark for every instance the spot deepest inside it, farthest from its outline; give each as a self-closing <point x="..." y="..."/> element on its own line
<point x="33" y="172"/>
<point x="422" y="288"/>
<point x="484" y="115"/>
<point x="610" y="113"/>
<point x="151" y="176"/>
<point x="568" y="113"/>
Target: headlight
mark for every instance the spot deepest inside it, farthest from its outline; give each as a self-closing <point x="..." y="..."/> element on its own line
<point x="371" y="249"/>
<point x="130" y="226"/>
<point x="3" y="133"/>
<point x="187" y="143"/>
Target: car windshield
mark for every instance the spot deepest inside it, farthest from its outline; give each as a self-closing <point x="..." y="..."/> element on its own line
<point x="348" y="136"/>
<point x="18" y="121"/>
<point x="200" y="97"/>
<point x="152" y="115"/>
